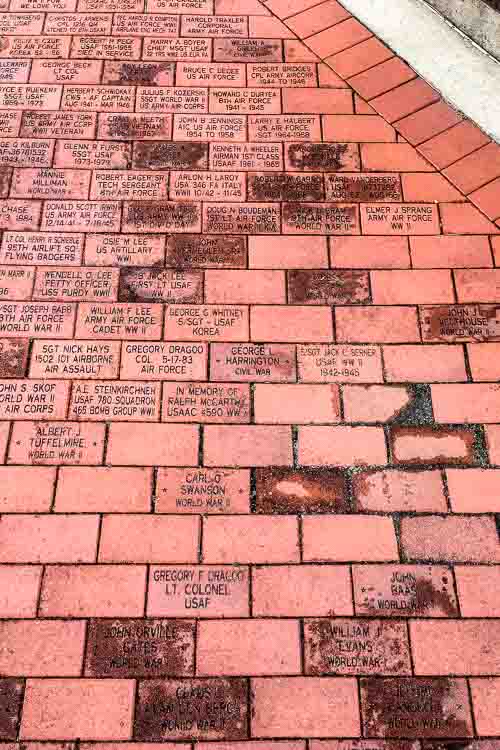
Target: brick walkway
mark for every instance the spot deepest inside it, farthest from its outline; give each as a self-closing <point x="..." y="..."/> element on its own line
<point x="250" y="353"/>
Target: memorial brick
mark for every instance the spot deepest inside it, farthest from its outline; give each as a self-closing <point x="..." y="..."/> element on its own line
<point x="53" y="443"/>
<point x="124" y="250"/>
<point x="122" y="400"/>
<point x="41" y="248"/>
<point x="206" y="322"/>
<point x="246" y="156"/>
<point x="158" y="284"/>
<point x="140" y="648"/>
<point x="75" y="359"/>
<point x="210" y="251"/>
<point x="119" y="321"/>
<point x="92" y="155"/>
<point x="202" y="590"/>
<point x="206" y="403"/>
<point x="164" y="360"/>
<point x="43" y="320"/>
<point x="253" y="362"/>
<point x="331" y="363"/>
<point x="203" y="491"/>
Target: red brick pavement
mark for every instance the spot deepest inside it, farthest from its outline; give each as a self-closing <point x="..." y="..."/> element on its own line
<point x="249" y="335"/>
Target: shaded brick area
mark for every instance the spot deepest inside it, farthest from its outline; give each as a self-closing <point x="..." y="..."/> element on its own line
<point x="249" y="400"/>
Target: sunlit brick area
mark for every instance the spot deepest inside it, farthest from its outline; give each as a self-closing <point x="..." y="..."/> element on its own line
<point x="249" y="385"/>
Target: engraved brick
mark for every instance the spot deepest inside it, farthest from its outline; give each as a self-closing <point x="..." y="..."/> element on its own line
<point x="245" y="100"/>
<point x="198" y="251"/>
<point x="107" y="48"/>
<point x="44" y="320"/>
<point x="285" y="186"/>
<point x="16" y="283"/>
<point x="21" y="152"/>
<point x="320" y="218"/>
<point x="20" y="215"/>
<point x="328" y="287"/>
<point x="210" y="74"/>
<point x="404" y="219"/>
<point x="210" y="127"/>
<point x="33" y="399"/>
<point x="50" y="183"/>
<point x="140" y="648"/>
<point x="161" y="216"/>
<point x="138" y="74"/>
<point x="356" y="646"/>
<point x="74" y="359"/>
<point x="205" y="402"/>
<point x="57" y="125"/>
<point x="186" y="709"/>
<point x="98" y="98"/>
<point x="128" y="185"/>
<point x="41" y="248"/>
<point x="48" y="443"/>
<point x="138" y="24"/>
<point x="15" y="71"/>
<point x="78" y="23"/>
<point x="118" y="321"/>
<point x="177" y="50"/>
<point x="164" y="361"/>
<point x="253" y="362"/>
<point x="82" y="216"/>
<point x="363" y="187"/>
<point x="205" y="590"/>
<point x="10" y="123"/>
<point x="415" y="707"/>
<point x="248" y="50"/>
<point x="248" y="218"/>
<point x="201" y="7"/>
<point x="128" y="127"/>
<point x="330" y="363"/>
<point x="66" y="71"/>
<point x="125" y="400"/>
<point x="21" y="23"/>
<point x="35" y="46"/>
<point x="206" y="323"/>
<point x="322" y="157"/>
<point x="207" y="186"/>
<point x="124" y="250"/>
<point x="268" y="128"/>
<point x="167" y="155"/>
<point x="454" y="323"/>
<point x="65" y="284"/>
<point x="282" y="74"/>
<point x="164" y="99"/>
<point x="214" y="26"/>
<point x="92" y="154"/>
<point x="404" y="590"/>
<point x="246" y="156"/>
<point x="203" y="491"/>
